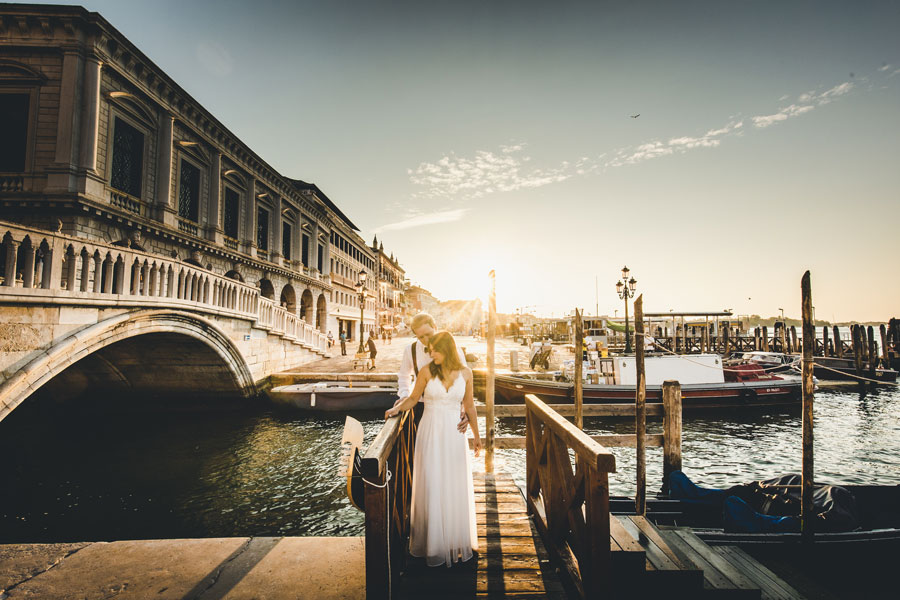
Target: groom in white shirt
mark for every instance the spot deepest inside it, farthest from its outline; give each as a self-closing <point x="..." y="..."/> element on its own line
<point x="416" y="358"/>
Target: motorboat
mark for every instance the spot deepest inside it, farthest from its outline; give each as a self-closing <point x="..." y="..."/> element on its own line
<point x="826" y="368"/>
<point x="331" y="396"/>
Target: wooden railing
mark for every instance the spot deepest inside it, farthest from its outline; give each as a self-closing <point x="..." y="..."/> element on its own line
<point x="570" y="509"/>
<point x="387" y="469"/>
<point x="37" y="266"/>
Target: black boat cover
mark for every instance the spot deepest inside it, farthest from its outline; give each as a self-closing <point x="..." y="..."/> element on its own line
<point x="770" y="506"/>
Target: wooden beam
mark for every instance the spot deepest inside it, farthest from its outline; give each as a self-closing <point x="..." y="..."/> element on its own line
<point x="809" y="341"/>
<point x="654" y="409"/>
<point x="651" y="440"/>
<point x="671" y="393"/>
<point x="574" y="438"/>
<point x="489" y="380"/>
<point x="640" y="409"/>
<point x="579" y="359"/>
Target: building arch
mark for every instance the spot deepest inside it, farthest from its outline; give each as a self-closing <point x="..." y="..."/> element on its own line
<point x="306" y="306"/>
<point x="321" y="313"/>
<point x="166" y="325"/>
<point x="288" y="298"/>
<point x="266" y="289"/>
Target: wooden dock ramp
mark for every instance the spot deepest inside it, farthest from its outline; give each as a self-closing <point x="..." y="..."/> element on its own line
<point x="508" y="564"/>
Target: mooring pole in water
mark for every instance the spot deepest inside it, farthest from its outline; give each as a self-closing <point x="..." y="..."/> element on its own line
<point x="640" y="408"/>
<point x="809" y="343"/>
<point x="579" y="358"/>
<point x="489" y="381"/>
<point x="671" y="398"/>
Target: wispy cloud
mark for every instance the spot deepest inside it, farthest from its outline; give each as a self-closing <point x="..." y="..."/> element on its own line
<point x="805" y="103"/>
<point x="444" y="216"/>
<point x="676" y="145"/>
<point x="884" y="67"/>
<point x="485" y="173"/>
<point x="456" y="179"/>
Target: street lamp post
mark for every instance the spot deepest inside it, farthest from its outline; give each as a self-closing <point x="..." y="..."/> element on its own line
<point x="361" y="287"/>
<point x="625" y="289"/>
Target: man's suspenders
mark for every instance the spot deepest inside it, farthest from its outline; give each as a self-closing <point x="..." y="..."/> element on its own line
<point x="412" y="350"/>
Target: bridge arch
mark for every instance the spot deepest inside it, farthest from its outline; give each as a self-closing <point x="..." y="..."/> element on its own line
<point x="127" y="332"/>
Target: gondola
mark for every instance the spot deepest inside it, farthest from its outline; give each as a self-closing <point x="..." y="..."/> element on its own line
<point x="875" y="523"/>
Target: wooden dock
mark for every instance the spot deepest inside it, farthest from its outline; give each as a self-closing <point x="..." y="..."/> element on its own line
<point x="508" y="563"/>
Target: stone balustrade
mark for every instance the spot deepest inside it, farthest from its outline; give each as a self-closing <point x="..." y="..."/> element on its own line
<point x="40" y="267"/>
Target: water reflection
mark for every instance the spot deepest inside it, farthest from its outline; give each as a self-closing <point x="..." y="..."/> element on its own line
<point x="100" y="474"/>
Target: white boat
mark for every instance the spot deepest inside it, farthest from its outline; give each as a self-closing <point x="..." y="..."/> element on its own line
<point x="336" y="395"/>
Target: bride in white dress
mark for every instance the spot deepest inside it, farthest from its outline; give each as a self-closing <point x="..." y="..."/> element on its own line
<point x="442" y="519"/>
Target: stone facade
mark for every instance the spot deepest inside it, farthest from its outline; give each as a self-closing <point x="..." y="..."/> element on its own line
<point x="391" y="300"/>
<point x="114" y="149"/>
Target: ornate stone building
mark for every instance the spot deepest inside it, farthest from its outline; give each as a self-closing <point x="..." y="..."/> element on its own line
<point x="391" y="300"/>
<point x="98" y="142"/>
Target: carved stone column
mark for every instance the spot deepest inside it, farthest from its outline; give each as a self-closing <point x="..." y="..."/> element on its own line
<point x="90" y="115"/>
<point x="214" y="220"/>
<point x="275" y="251"/>
<point x="165" y="205"/>
<point x="61" y="176"/>
<point x="249" y="234"/>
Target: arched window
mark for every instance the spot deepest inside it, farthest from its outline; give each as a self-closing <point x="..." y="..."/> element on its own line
<point x="19" y="87"/>
<point x="131" y="128"/>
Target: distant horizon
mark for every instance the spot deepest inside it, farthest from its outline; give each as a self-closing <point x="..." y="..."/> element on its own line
<point x="717" y="149"/>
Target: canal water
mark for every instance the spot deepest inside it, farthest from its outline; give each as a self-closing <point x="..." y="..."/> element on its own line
<point x="94" y="471"/>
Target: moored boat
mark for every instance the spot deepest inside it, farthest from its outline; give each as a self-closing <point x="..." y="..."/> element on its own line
<point x="335" y="395"/>
<point x="846" y="515"/>
<point x="704" y="384"/>
<point x="826" y="368"/>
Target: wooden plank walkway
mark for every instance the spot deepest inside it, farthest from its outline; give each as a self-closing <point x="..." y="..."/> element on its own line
<point x="508" y="564"/>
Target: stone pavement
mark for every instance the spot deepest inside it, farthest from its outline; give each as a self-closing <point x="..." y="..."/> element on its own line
<point x="389" y="355"/>
<point x="290" y="568"/>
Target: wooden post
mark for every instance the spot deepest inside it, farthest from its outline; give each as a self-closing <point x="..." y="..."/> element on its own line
<point x="838" y="343"/>
<point x="765" y="338"/>
<point x="872" y="354"/>
<point x="885" y="357"/>
<point x="579" y="358"/>
<point x="674" y="336"/>
<point x="671" y="397"/>
<point x="489" y="380"/>
<point x="726" y="341"/>
<point x="856" y="334"/>
<point x="809" y="339"/>
<point x="378" y="566"/>
<point x="640" y="409"/>
<point x="825" y="340"/>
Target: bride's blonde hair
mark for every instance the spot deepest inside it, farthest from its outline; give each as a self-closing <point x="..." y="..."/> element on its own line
<point x="443" y="342"/>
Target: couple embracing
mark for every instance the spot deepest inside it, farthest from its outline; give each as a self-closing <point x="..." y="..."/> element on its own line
<point x="442" y="517"/>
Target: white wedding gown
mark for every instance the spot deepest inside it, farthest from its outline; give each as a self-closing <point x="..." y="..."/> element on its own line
<point x="443" y="497"/>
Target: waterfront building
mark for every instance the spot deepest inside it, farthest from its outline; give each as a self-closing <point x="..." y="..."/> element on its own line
<point x="100" y="143"/>
<point x="350" y="257"/>
<point x="420" y="300"/>
<point x="390" y="290"/>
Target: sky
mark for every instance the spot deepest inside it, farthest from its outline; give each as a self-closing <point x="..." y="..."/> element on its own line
<point x="479" y="135"/>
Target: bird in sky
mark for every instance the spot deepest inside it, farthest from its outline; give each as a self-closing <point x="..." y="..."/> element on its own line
<point x="635" y="116"/>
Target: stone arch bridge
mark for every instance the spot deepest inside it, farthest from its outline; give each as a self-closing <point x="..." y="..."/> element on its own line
<point x="78" y="315"/>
